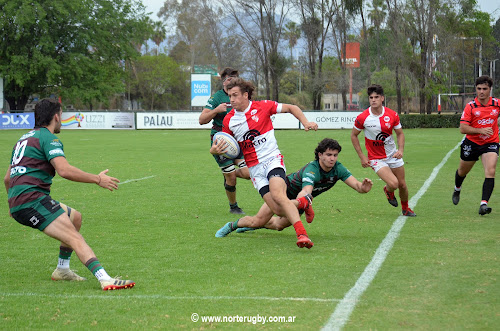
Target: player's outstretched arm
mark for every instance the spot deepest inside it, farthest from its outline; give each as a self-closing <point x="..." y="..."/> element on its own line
<point x="297" y="112"/>
<point x="361" y="187"/>
<point x="66" y="170"/>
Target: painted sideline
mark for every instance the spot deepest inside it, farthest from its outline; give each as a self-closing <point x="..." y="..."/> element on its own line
<point x="345" y="307"/>
<point x="161" y="297"/>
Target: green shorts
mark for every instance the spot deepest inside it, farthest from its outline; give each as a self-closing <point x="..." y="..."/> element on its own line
<point x="39" y="213"/>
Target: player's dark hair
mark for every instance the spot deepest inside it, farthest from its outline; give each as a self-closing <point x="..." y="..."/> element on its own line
<point x="244" y="85"/>
<point x="45" y="110"/>
<point x="484" y="80"/>
<point x="228" y="72"/>
<point x="375" y="88"/>
<point x="325" y="144"/>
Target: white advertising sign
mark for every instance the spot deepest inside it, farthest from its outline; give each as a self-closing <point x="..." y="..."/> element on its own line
<point x="285" y="121"/>
<point x="98" y="120"/>
<point x="200" y="89"/>
<point x="333" y="120"/>
<point x="177" y="120"/>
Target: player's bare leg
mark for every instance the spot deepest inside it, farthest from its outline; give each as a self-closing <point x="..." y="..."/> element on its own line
<point x="464" y="168"/>
<point x="63" y="230"/>
<point x="391" y="182"/>
<point x="230" y="187"/>
<point x="489" y="161"/>
<point x="403" y="191"/>
<point x="282" y="206"/>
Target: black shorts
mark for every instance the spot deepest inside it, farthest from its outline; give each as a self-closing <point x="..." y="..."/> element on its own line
<point x="39" y="213"/>
<point x="470" y="151"/>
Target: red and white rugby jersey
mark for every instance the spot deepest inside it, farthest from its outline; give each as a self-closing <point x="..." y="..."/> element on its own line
<point x="482" y="116"/>
<point x="378" y="132"/>
<point x="254" y="131"/>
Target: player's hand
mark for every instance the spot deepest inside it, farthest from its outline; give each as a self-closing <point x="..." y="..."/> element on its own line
<point x="366" y="185"/>
<point x="486" y="131"/>
<point x="108" y="182"/>
<point x="398" y="155"/>
<point x="218" y="149"/>
<point x="365" y="163"/>
<point x="310" y="126"/>
<point x="221" y="108"/>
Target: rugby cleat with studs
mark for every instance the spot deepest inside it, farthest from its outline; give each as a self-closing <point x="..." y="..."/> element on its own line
<point x="66" y="274"/>
<point x="116" y="284"/>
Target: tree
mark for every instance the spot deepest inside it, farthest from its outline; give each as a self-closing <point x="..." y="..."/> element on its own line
<point x="292" y="35"/>
<point x="159" y="34"/>
<point x="261" y="23"/>
<point x="72" y="48"/>
<point x="316" y="21"/>
<point x="159" y="82"/>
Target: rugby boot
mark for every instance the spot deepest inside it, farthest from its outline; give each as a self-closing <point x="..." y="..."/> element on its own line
<point x="225" y="230"/>
<point x="241" y="230"/>
<point x="484" y="209"/>
<point x="408" y="212"/>
<point x="116" y="284"/>
<point x="66" y="274"/>
<point x="308" y="210"/>
<point x="304" y="241"/>
<point x="455" y="197"/>
<point x="390" y="197"/>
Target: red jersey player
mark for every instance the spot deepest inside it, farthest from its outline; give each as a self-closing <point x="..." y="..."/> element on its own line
<point x="383" y="156"/>
<point x="479" y="123"/>
<point x="249" y="122"/>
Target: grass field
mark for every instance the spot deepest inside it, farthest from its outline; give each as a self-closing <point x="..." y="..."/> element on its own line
<point x="441" y="273"/>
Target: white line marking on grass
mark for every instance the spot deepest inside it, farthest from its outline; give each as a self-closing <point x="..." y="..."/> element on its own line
<point x="135" y="180"/>
<point x="162" y="297"/>
<point x="345" y="307"/>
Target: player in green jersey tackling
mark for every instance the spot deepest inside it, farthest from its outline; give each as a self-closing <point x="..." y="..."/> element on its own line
<point x="216" y="109"/>
<point x="313" y="179"/>
<point x="36" y="158"/>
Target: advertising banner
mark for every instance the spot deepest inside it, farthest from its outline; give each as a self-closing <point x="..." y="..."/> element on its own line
<point x="285" y="121"/>
<point x="17" y="121"/>
<point x="98" y="120"/>
<point x="333" y="120"/>
<point x="176" y="120"/>
<point x="200" y="89"/>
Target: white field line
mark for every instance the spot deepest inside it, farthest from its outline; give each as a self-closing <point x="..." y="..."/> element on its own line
<point x="345" y="307"/>
<point x="161" y="297"/>
<point x="135" y="180"/>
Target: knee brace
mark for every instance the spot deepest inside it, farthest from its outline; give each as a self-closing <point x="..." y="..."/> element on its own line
<point x="229" y="188"/>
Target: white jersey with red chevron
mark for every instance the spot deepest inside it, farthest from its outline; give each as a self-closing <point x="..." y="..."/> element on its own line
<point x="254" y="131"/>
<point x="378" y="132"/>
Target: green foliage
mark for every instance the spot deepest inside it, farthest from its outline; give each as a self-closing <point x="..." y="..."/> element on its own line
<point x="430" y="121"/>
<point x="303" y="100"/>
<point x="73" y="48"/>
<point x="160" y="82"/>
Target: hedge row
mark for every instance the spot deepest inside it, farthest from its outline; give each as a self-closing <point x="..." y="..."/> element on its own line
<point x="430" y="121"/>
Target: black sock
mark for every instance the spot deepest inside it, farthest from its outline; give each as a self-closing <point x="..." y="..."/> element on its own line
<point x="458" y="180"/>
<point x="232" y="206"/>
<point x="488" y="185"/>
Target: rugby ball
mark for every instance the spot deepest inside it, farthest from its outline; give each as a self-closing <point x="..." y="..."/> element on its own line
<point x="233" y="149"/>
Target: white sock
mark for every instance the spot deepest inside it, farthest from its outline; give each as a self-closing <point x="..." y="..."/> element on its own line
<point x="457" y="189"/>
<point x="101" y="274"/>
<point x="63" y="263"/>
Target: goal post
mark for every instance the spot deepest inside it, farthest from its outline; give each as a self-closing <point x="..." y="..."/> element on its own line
<point x="452" y="101"/>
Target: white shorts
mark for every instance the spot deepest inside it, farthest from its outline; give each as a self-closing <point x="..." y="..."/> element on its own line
<point x="259" y="172"/>
<point x="390" y="162"/>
